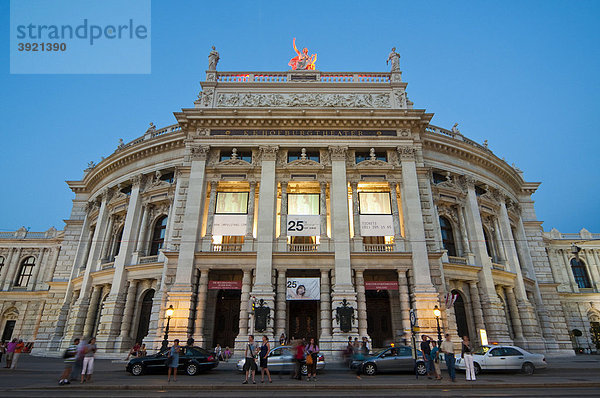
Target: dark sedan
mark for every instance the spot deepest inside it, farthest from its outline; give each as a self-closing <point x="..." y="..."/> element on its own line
<point x="191" y="361"/>
<point x="392" y="359"/>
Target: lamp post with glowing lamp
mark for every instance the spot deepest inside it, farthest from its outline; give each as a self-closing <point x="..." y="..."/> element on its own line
<point x="169" y="313"/>
<point x="437" y="313"/>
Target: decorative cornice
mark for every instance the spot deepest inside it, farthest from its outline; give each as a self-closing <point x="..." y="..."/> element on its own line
<point x="199" y="152"/>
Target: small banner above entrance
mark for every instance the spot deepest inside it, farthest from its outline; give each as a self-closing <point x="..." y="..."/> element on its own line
<point x="229" y="224"/>
<point x="225" y="285"/>
<point x="303" y="225"/>
<point x="376" y="225"/>
<point x="303" y="289"/>
<point x="381" y="285"/>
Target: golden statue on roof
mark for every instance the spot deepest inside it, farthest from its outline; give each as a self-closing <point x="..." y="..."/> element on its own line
<point x="302" y="61"/>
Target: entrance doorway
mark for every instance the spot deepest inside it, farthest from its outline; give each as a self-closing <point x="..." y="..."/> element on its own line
<point x="145" y="312"/>
<point x="302" y="319"/>
<point x="379" y="320"/>
<point x="227" y="317"/>
<point x="9" y="327"/>
<point x="462" y="328"/>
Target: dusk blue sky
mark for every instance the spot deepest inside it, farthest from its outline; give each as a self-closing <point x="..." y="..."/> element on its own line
<point x="522" y="74"/>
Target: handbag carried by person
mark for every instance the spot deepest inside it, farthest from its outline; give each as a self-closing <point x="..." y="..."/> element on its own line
<point x="309" y="359"/>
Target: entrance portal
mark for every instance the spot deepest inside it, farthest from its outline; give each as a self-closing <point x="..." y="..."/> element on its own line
<point x="462" y="327"/>
<point x="303" y="316"/>
<point x="379" y="321"/>
<point x="145" y="312"/>
<point x="227" y="318"/>
<point x="9" y="327"/>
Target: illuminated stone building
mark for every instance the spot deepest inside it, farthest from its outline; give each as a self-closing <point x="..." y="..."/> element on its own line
<point x="272" y="180"/>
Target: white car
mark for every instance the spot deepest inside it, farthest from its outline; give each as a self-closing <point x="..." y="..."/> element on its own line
<point x="504" y="357"/>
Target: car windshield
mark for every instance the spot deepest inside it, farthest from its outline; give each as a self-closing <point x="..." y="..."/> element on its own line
<point x="481" y="350"/>
<point x="378" y="353"/>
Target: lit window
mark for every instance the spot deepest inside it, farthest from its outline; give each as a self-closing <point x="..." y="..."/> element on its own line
<point x="25" y="272"/>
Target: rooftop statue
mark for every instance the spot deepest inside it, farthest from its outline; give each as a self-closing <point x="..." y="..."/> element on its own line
<point x="213" y="59"/>
<point x="395" y="58"/>
<point x="302" y="61"/>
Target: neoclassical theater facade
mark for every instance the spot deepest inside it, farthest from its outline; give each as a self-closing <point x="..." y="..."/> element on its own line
<point x="317" y="193"/>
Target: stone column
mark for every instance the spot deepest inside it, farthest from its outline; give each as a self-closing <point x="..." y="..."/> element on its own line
<point x="113" y="306"/>
<point x="395" y="215"/>
<point x="323" y="209"/>
<point x="283" y="218"/>
<point x="242" y="336"/>
<point x="125" y="337"/>
<point x="361" y="302"/>
<point x="250" y="216"/>
<point x="200" y="322"/>
<point x="592" y="267"/>
<point x="404" y="301"/>
<point x="325" y="306"/>
<point x="92" y="312"/>
<point x="514" y="314"/>
<point x="51" y="266"/>
<point x="181" y="293"/>
<point x="357" y="240"/>
<point x="280" y="306"/>
<point x="142" y="243"/>
<point x="567" y="269"/>
<point x="500" y="249"/>
<point x="463" y="234"/>
<point x="477" y="310"/>
<point x="210" y="218"/>
<point x="492" y="307"/>
<point x="107" y="240"/>
<point x="175" y="210"/>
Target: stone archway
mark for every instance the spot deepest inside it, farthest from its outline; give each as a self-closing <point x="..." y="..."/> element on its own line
<point x="8" y="323"/>
<point x="460" y="313"/>
<point x="145" y="313"/>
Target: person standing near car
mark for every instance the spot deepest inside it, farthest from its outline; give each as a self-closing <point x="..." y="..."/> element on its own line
<point x="426" y="352"/>
<point x="467" y="356"/>
<point x="88" y="361"/>
<point x="435" y="358"/>
<point x="265" y="348"/>
<point x="173" y="360"/>
<point x="250" y="359"/>
<point x="10" y="352"/>
<point x="312" y="351"/>
<point x="298" y="359"/>
<point x="18" y="351"/>
<point x="448" y="349"/>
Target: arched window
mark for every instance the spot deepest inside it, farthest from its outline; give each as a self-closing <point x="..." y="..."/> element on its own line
<point x="447" y="236"/>
<point x="488" y="242"/>
<point x="580" y="274"/>
<point x="158" y="235"/>
<point x="25" y="272"/>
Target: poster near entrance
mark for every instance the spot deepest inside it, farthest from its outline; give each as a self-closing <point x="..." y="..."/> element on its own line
<point x="303" y="225"/>
<point x="303" y="289"/>
<point x="376" y="225"/>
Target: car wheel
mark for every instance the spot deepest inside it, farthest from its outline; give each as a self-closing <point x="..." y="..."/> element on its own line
<point x="304" y="370"/>
<point x="137" y="369"/>
<point x="528" y="368"/>
<point x="421" y="369"/>
<point x="477" y="368"/>
<point x="370" y="369"/>
<point x="191" y="369"/>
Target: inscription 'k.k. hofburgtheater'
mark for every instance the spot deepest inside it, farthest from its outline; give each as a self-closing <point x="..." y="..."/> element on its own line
<point x="323" y="133"/>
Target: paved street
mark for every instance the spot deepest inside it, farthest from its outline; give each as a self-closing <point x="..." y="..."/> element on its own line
<point x="37" y="377"/>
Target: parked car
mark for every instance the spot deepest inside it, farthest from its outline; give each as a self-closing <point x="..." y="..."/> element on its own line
<point x="282" y="359"/>
<point x="191" y="361"/>
<point x="393" y="359"/>
<point x="505" y="357"/>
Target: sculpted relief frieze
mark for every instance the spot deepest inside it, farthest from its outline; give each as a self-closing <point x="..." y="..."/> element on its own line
<point x="304" y="99"/>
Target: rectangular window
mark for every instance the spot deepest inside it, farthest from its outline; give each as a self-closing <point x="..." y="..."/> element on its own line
<point x="303" y="204"/>
<point x="362" y="156"/>
<point x="232" y="203"/>
<point x="225" y="154"/>
<point x="314" y="155"/>
<point x="25" y="275"/>
<point x="375" y="203"/>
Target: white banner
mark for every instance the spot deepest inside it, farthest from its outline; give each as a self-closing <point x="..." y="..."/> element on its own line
<point x="303" y="225"/>
<point x="303" y="289"/>
<point x="376" y="225"/>
<point x="229" y="224"/>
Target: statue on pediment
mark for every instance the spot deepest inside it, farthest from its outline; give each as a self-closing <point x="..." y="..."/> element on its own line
<point x="302" y="61"/>
<point x="394" y="58"/>
<point x="213" y="59"/>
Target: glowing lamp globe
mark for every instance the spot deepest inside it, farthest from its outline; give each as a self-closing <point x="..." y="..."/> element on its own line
<point x="170" y="311"/>
<point x="436" y="312"/>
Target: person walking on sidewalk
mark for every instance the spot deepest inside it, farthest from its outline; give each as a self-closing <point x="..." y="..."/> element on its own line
<point x="467" y="356"/>
<point x="78" y="364"/>
<point x="448" y="349"/>
<point x="312" y="356"/>
<point x="87" y="368"/>
<point x="10" y="352"/>
<point x="2" y="349"/>
<point x="426" y="352"/>
<point x="265" y="348"/>
<point x="69" y="357"/>
<point x="250" y="363"/>
<point x="298" y="358"/>
<point x="18" y="351"/>
<point x="173" y="360"/>
<point x="435" y="358"/>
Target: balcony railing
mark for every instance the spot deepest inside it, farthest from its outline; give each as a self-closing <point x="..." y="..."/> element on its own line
<point x="379" y="247"/>
<point x="226" y="247"/>
<point x="284" y="77"/>
<point x="457" y="260"/>
<point x="108" y="265"/>
<point x="302" y="247"/>
<point x="148" y="259"/>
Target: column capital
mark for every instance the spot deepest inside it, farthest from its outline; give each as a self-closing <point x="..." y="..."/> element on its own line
<point x="268" y="152"/>
<point x="338" y="152"/>
<point x="199" y="152"/>
<point x="406" y="152"/>
<point x="467" y="181"/>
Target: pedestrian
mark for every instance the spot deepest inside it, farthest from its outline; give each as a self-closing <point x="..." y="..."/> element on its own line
<point x="435" y="357"/>
<point x="218" y="352"/>
<point x="87" y="369"/>
<point x="250" y="363"/>
<point x="426" y="353"/>
<point x="2" y="350"/>
<point x="142" y="352"/>
<point x="10" y="352"/>
<point x="190" y="342"/>
<point x="18" y="351"/>
<point x="312" y="356"/>
<point x="359" y="356"/>
<point x="298" y="359"/>
<point x="227" y="354"/>
<point x="365" y="342"/>
<point x="467" y="356"/>
<point x="282" y="339"/>
<point x="356" y="343"/>
<point x="173" y="360"/>
<point x="134" y="351"/>
<point x="69" y="357"/>
<point x="448" y="349"/>
<point x="78" y="364"/>
<point x="265" y="348"/>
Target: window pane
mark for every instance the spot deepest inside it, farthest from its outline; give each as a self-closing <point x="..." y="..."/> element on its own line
<point x="232" y="203"/>
<point x="303" y="204"/>
<point x="375" y="203"/>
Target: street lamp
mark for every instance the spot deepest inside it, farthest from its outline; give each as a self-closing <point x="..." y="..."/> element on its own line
<point x="169" y="313"/>
<point x="437" y="313"/>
